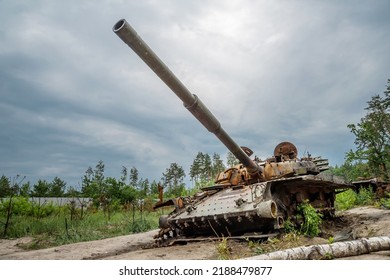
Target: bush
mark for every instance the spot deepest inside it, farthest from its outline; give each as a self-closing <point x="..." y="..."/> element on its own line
<point x="365" y="196"/>
<point x="385" y="201"/>
<point x="23" y="207"/>
<point x="20" y="205"/>
<point x="43" y="210"/>
<point x="290" y="227"/>
<point x="312" y="220"/>
<point x="345" y="200"/>
<point x="349" y="199"/>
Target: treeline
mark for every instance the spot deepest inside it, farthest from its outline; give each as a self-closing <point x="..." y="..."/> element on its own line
<point x="126" y="189"/>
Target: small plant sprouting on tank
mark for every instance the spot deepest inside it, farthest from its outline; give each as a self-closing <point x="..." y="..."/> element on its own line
<point x="312" y="220"/>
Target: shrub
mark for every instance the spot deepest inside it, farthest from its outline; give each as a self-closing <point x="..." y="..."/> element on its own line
<point x="365" y="196"/>
<point x="345" y="200"/>
<point x="290" y="227"/>
<point x="385" y="201"/>
<point x="348" y="199"/>
<point x="42" y="210"/>
<point x="20" y="205"/>
<point x="311" y="219"/>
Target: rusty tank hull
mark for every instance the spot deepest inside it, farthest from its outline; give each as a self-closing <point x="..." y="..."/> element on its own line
<point x="256" y="196"/>
<point x="255" y="209"/>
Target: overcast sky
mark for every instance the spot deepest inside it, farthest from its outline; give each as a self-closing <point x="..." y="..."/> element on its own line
<point x="72" y="93"/>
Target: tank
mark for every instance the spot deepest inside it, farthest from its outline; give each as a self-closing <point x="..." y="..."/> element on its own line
<point x="255" y="197"/>
<point x="378" y="186"/>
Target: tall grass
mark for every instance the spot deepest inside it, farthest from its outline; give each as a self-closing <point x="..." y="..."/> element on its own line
<point x="54" y="225"/>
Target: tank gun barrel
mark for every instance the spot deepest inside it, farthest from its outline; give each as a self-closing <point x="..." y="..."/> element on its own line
<point x="128" y="35"/>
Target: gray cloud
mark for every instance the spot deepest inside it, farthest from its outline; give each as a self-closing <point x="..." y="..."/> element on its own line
<point x="71" y="93"/>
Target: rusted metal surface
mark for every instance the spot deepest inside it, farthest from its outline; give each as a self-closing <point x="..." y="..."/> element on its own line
<point x="254" y="196"/>
<point x="377" y="185"/>
<point x="285" y="150"/>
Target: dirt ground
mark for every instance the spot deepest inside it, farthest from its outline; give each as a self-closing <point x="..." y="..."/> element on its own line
<point x="351" y="224"/>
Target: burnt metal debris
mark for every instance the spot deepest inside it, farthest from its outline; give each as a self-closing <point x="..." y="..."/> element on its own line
<point x="378" y="186"/>
<point x="255" y="197"/>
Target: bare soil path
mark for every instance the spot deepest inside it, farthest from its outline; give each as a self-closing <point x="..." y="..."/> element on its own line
<point x="351" y="224"/>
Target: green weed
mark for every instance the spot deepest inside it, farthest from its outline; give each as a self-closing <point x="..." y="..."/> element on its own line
<point x="345" y="200"/>
<point x="365" y="196"/>
<point x="224" y="252"/>
<point x="385" y="202"/>
<point x="312" y="220"/>
<point x="349" y="199"/>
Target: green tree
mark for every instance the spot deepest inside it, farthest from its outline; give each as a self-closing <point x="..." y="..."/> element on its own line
<point x="93" y="181"/>
<point x="372" y="136"/>
<point x="57" y="188"/>
<point x="111" y="188"/>
<point x="5" y="186"/>
<point x="232" y="160"/>
<point x="41" y="189"/>
<point x="195" y="167"/>
<point x="143" y="188"/>
<point x="25" y="189"/>
<point x="87" y="188"/>
<point x="351" y="171"/>
<point x="173" y="179"/>
<point x="201" y="170"/>
<point x="124" y="174"/>
<point x="134" y="177"/>
<point x="206" y="168"/>
<point x="98" y="173"/>
<point x="154" y="189"/>
<point x="108" y="195"/>
<point x="217" y="165"/>
<point x="128" y="194"/>
<point x="72" y="192"/>
<point x="10" y="187"/>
